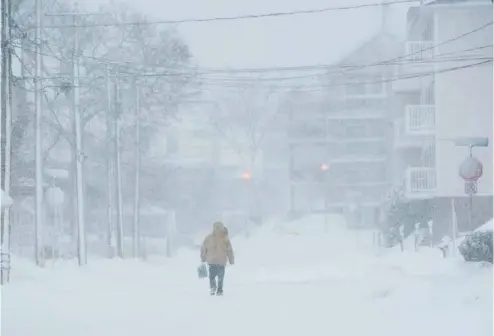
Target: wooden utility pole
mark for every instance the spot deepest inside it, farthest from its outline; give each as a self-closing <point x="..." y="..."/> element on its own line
<point x="78" y="135"/>
<point x="109" y="165"/>
<point x="118" y="176"/>
<point x="5" y="131"/>
<point x="77" y="143"/>
<point x="81" y="224"/>
<point x="137" y="185"/>
<point x="38" y="244"/>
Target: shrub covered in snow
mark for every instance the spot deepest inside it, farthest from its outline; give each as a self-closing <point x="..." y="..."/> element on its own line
<point x="477" y="246"/>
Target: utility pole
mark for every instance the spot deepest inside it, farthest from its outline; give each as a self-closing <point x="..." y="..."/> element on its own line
<point x="38" y="157"/>
<point x="5" y="130"/>
<point x="4" y="89"/>
<point x="81" y="225"/>
<point x="77" y="126"/>
<point x="119" y="224"/>
<point x="4" y="86"/>
<point x="109" y="163"/>
<point x="137" y="169"/>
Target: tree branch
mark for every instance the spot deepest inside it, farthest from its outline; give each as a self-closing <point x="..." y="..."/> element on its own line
<point x="47" y="152"/>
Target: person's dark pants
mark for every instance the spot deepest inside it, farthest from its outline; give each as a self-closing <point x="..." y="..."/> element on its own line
<point x="216" y="271"/>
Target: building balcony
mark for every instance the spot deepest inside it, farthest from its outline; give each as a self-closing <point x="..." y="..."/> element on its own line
<point x="416" y="129"/>
<point x="420" y="182"/>
<point x="403" y="140"/>
<point x="419" y="60"/>
<point x="420" y="119"/>
<point x="418" y="51"/>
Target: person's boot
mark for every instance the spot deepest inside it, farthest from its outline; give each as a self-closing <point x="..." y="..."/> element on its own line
<point x="213" y="291"/>
<point x="219" y="292"/>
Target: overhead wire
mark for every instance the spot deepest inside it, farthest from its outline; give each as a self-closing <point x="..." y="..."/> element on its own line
<point x="435" y="60"/>
<point x="450" y="40"/>
<point x="234" y="17"/>
<point x="199" y="75"/>
<point x="205" y="71"/>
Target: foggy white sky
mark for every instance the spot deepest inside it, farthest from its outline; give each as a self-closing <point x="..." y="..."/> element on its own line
<point x="294" y="40"/>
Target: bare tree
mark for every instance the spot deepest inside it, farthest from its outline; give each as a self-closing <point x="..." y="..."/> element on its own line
<point x="160" y="51"/>
<point x="244" y="117"/>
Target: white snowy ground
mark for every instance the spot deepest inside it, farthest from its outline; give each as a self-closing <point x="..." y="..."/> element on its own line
<point x="283" y="284"/>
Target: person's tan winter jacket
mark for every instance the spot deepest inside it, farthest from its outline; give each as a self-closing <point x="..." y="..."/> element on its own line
<point x="217" y="248"/>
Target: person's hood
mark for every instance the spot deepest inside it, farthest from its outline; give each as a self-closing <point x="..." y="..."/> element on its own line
<point x="218" y="227"/>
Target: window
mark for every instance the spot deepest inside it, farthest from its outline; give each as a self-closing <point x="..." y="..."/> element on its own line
<point x="377" y="104"/>
<point x="308" y="157"/>
<point x="367" y="87"/>
<point x="310" y="128"/>
<point x="365" y="149"/>
<point x="357" y="89"/>
<point x="356" y="131"/>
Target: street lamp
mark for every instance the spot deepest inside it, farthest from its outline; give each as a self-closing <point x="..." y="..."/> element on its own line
<point x="246" y="176"/>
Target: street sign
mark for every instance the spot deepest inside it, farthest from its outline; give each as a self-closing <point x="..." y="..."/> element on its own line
<point x="471" y="169"/>
<point x="470" y="187"/>
<point x="472" y="142"/>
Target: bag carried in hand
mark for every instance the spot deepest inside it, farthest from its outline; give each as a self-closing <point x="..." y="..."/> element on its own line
<point x="202" y="271"/>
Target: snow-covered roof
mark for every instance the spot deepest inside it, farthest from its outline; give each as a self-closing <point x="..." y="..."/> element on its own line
<point x="6" y="201"/>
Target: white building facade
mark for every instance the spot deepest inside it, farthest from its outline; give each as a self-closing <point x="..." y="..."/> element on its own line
<point x="445" y="92"/>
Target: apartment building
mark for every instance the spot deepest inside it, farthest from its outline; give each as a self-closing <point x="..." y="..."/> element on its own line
<point x="339" y="142"/>
<point x="445" y="92"/>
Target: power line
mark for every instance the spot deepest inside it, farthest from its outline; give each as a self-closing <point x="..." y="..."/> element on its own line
<point x="197" y="73"/>
<point x="395" y="79"/>
<point x="456" y="38"/>
<point x="300" y="87"/>
<point x="349" y="67"/>
<point x="234" y="18"/>
<point x="377" y="81"/>
<point x="358" y="66"/>
<point x="230" y="82"/>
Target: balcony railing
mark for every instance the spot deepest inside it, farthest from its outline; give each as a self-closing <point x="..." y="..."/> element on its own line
<point x="420" y="119"/>
<point x="418" y="51"/>
<point x="420" y="180"/>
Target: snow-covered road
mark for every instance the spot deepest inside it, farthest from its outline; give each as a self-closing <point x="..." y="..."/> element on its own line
<point x="306" y="292"/>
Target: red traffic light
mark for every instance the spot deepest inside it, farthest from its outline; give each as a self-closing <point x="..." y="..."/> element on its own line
<point x="324" y="167"/>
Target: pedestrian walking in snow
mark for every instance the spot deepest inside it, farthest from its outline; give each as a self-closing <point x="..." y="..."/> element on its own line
<point x="216" y="251"/>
